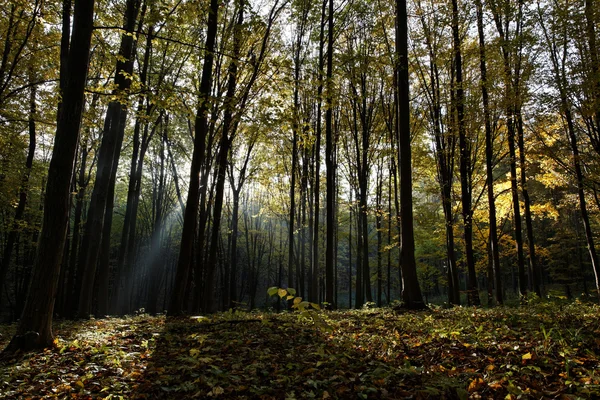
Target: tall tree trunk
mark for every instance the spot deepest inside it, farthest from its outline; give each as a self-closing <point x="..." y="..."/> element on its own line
<point x="465" y="164"/>
<point x="411" y="293"/>
<point x="314" y="286"/>
<point x="177" y="306"/>
<point x="110" y="150"/>
<point x="124" y="269"/>
<point x="445" y="146"/>
<point x="157" y="264"/>
<point x="533" y="267"/>
<point x="350" y="252"/>
<point x="561" y="82"/>
<point x="510" y="127"/>
<point x="378" y="226"/>
<point x="494" y="252"/>
<point x="35" y="326"/>
<point x="329" y="165"/>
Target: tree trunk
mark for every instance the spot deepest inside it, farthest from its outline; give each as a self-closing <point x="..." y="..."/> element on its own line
<point x="227" y="136"/>
<point x="411" y="292"/>
<point x="329" y="165"/>
<point x="494" y="252"/>
<point x="123" y="269"/>
<point x="465" y="164"/>
<point x="110" y="150"/>
<point x="35" y="326"/>
<point x="510" y="127"/>
<point x="177" y="306"/>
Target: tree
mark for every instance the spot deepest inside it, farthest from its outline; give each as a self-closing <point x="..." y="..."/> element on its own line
<point x="176" y="305"/>
<point x="99" y="218"/>
<point x="329" y="166"/>
<point x="494" y="253"/>
<point x="411" y="293"/>
<point x="35" y="326"/>
<point x="558" y="45"/>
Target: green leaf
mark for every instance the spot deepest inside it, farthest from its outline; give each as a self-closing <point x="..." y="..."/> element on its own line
<point x="272" y="291"/>
<point x="291" y="291"/>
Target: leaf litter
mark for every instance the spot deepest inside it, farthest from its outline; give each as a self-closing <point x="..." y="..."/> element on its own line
<point x="537" y="351"/>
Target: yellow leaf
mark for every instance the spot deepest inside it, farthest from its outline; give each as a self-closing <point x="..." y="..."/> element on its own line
<point x="526" y="356"/>
<point x="475" y="385"/>
<point x="297" y="300"/>
<point x="282" y="293"/>
<point x="80" y="384"/>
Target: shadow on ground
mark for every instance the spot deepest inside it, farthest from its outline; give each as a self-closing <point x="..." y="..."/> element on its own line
<point x="276" y="358"/>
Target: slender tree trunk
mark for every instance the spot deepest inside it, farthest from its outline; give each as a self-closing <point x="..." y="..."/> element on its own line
<point x="123" y="268"/>
<point x="11" y="240"/>
<point x="110" y="150"/>
<point x="177" y="306"/>
<point x="227" y="136"/>
<point x="510" y="127"/>
<point x="378" y="226"/>
<point x="68" y="306"/>
<point x="465" y="164"/>
<point x="533" y="267"/>
<point x="494" y="251"/>
<point x="314" y="294"/>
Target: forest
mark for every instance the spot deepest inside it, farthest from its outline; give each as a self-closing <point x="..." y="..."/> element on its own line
<point x="185" y="157"/>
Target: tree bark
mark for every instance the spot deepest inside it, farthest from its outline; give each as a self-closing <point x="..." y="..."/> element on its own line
<point x="177" y="306"/>
<point x="465" y="163"/>
<point x="109" y="153"/>
<point x="411" y="293"/>
<point x="494" y="252"/>
<point x="35" y="326"/>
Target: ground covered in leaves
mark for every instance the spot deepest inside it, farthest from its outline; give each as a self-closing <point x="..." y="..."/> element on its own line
<point x="546" y="350"/>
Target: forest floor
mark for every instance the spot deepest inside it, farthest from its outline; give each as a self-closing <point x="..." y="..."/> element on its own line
<point x="546" y="350"/>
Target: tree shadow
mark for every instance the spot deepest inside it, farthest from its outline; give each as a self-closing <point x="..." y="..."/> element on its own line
<point x="277" y="357"/>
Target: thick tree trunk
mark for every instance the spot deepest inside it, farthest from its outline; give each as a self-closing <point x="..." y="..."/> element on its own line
<point x="35" y="326"/>
<point x="227" y="135"/>
<point x="411" y="293"/>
